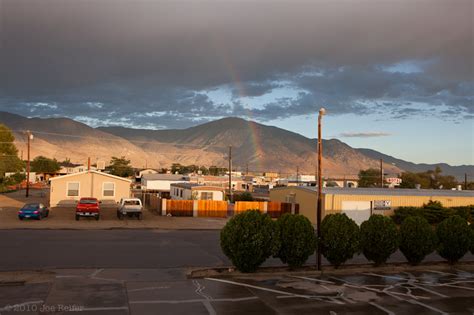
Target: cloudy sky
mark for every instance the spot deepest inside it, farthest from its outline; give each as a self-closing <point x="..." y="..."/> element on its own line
<point x="394" y="75"/>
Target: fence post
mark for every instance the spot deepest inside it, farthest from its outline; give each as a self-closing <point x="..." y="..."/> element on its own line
<point x="163" y="207"/>
<point x="265" y="206"/>
<point x="195" y="208"/>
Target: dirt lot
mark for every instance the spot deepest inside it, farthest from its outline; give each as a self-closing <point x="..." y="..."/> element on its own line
<point x="64" y="217"/>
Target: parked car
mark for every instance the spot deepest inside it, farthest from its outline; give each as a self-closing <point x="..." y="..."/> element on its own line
<point x="131" y="207"/>
<point x="88" y="207"/>
<point x="34" y="211"/>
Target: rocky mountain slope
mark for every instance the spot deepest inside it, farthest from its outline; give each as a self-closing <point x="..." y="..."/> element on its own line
<point x="256" y="146"/>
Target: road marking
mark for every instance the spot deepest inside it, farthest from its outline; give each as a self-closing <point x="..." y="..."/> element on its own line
<point x="275" y="291"/>
<point x="380" y="307"/>
<point x="147" y="288"/>
<point x="312" y="279"/>
<point x="427" y="306"/>
<point x="209" y="307"/>
<point x="199" y="289"/>
<point x="384" y="276"/>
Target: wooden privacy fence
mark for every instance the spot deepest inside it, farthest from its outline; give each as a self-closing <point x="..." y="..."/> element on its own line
<point x="222" y="209"/>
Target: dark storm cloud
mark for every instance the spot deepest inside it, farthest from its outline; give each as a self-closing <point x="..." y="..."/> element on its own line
<point x="106" y="59"/>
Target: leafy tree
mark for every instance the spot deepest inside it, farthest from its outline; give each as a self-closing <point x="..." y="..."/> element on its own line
<point x="120" y="167"/>
<point x="9" y="161"/>
<point x="431" y="179"/>
<point x="298" y="240"/>
<point x="378" y="238"/>
<point x="248" y="239"/>
<point x="417" y="239"/>
<point x="339" y="238"/>
<point x="245" y="196"/>
<point x="454" y="237"/>
<point x="369" y="178"/>
<point x="41" y="164"/>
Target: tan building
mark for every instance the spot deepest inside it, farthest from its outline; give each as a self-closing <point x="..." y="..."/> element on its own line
<point x="360" y="203"/>
<point x="188" y="191"/>
<point x="66" y="190"/>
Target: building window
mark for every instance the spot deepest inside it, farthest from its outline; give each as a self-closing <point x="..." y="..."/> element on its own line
<point x="291" y="198"/>
<point x="206" y="195"/>
<point x="109" y="190"/>
<point x="181" y="193"/>
<point x="73" y="189"/>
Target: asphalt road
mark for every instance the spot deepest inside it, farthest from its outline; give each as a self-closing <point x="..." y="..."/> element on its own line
<point x="135" y="249"/>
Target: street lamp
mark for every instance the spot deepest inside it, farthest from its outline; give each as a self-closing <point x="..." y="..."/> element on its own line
<point x="322" y="112"/>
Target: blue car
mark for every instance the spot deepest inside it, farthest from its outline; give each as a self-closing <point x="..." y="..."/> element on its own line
<point x="33" y="210"/>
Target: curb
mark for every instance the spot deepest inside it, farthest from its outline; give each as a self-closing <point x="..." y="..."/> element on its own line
<point x="230" y="272"/>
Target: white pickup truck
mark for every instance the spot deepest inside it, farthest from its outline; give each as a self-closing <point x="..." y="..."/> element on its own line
<point x="131" y="207"/>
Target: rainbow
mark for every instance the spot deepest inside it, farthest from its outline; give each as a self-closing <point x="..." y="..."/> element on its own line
<point x="254" y="132"/>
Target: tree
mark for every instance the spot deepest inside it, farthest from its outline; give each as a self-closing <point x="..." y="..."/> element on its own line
<point x="120" y="167"/>
<point x="369" y="178"/>
<point x="245" y="196"/>
<point x="379" y="238"/>
<point x="42" y="164"/>
<point x="9" y="161"/>
<point x="431" y="179"/>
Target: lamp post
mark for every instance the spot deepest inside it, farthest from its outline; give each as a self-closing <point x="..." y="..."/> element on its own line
<point x="322" y="111"/>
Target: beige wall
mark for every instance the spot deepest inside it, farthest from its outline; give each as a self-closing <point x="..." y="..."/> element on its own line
<point x="305" y="198"/>
<point x="90" y="185"/>
<point x="332" y="203"/>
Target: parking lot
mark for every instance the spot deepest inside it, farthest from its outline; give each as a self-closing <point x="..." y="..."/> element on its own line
<point x="167" y="291"/>
<point x="64" y="217"/>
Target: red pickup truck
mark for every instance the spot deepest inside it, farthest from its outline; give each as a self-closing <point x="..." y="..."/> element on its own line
<point x="88" y="207"/>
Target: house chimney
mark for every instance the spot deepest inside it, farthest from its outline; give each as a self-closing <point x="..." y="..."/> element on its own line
<point x="88" y="164"/>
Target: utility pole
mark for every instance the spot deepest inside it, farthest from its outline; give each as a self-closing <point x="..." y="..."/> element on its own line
<point x="381" y="173"/>
<point x="465" y="181"/>
<point x="322" y="111"/>
<point x="230" y="173"/>
<point x="247" y="169"/>
<point x="30" y="137"/>
<point x="297" y="176"/>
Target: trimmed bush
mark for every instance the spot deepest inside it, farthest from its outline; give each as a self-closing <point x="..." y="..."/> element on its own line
<point x="454" y="236"/>
<point x="417" y="239"/>
<point x="472" y="238"/>
<point x="378" y="238"/>
<point x="297" y="237"/>
<point x="402" y="213"/>
<point x="339" y="238"/>
<point x="465" y="212"/>
<point x="248" y="239"/>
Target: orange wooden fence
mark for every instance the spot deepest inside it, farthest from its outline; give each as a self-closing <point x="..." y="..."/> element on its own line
<point x="180" y="208"/>
<point x="242" y="206"/>
<point x="211" y="208"/>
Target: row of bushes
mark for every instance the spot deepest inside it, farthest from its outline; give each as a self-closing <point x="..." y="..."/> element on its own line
<point x="249" y="238"/>
<point x="433" y="212"/>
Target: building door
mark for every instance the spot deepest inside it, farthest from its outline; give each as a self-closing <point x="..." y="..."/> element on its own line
<point x="359" y="211"/>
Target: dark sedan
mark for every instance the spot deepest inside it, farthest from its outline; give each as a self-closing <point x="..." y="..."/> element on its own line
<point x="33" y="210"/>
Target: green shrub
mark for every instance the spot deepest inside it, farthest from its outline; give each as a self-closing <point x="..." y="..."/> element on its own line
<point x="402" y="213"/>
<point x="435" y="215"/>
<point x="465" y="212"/>
<point x="297" y="237"/>
<point x="417" y="239"/>
<point x="339" y="238"/>
<point x="378" y="238"/>
<point x="472" y="238"/>
<point x="454" y="236"/>
<point x="248" y="239"/>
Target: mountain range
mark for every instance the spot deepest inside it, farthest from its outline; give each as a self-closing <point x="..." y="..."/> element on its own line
<point x="255" y="147"/>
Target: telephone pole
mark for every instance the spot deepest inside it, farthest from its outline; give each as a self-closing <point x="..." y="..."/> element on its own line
<point x="381" y="173"/>
<point x="230" y="173"/>
<point x="297" y="176"/>
<point x="30" y="137"/>
<point x="319" y="205"/>
<point x="465" y="181"/>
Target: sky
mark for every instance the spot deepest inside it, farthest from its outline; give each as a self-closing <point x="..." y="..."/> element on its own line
<point x="394" y="75"/>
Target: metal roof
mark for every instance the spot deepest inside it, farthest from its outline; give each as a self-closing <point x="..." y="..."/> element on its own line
<point x="174" y="177"/>
<point x="387" y="191"/>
